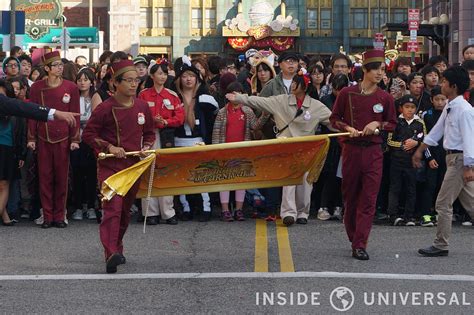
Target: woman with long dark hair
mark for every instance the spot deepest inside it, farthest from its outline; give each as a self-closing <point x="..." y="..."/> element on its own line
<point x="104" y="91"/>
<point x="168" y="113"/>
<point x="83" y="162"/>
<point x="200" y="110"/>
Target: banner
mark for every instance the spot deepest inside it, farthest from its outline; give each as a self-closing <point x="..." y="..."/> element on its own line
<point x="230" y="166"/>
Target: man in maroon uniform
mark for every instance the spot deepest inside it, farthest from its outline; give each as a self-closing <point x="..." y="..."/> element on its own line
<point x="54" y="139"/>
<point x="122" y="123"/>
<point x="363" y="110"/>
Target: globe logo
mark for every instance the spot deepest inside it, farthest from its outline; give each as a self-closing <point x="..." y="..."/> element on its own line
<point x="342" y="299"/>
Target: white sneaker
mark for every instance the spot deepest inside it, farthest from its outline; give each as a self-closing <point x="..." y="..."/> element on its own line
<point x="40" y="220"/>
<point x="338" y="213"/>
<point x="91" y="214"/>
<point x="77" y="215"/>
<point x="467" y="223"/>
<point x="323" y="214"/>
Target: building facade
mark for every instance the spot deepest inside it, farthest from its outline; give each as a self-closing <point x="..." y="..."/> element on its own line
<point x="461" y="24"/>
<point x="171" y="28"/>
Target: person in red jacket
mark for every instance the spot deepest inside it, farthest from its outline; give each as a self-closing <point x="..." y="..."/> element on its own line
<point x="363" y="110"/>
<point x="168" y="113"/>
<point x="54" y="139"/>
<point x="122" y="123"/>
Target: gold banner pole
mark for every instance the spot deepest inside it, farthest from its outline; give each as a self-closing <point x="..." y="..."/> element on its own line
<point x="103" y="155"/>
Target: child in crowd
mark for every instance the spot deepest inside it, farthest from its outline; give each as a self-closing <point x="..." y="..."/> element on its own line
<point x="233" y="123"/>
<point x="436" y="159"/>
<point x="402" y="142"/>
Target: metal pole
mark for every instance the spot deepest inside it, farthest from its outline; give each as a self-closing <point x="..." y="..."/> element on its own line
<point x="91" y="24"/>
<point x="12" y="23"/>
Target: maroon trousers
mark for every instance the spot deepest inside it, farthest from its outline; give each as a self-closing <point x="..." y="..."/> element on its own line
<point x="361" y="176"/>
<point x="53" y="170"/>
<point x="116" y="215"/>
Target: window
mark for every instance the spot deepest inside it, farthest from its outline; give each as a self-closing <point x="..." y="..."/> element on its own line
<point x="196" y="16"/>
<point x="359" y="18"/>
<point x="164" y="17"/>
<point x="145" y="18"/>
<point x="379" y="19"/>
<point x="326" y="17"/>
<point x="398" y="15"/>
<point x="210" y="22"/>
<point x="312" y="18"/>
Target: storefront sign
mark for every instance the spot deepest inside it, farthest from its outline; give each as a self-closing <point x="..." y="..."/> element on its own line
<point x="40" y="15"/>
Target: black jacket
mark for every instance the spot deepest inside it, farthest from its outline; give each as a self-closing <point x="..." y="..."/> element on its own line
<point x="205" y="110"/>
<point x="14" y="107"/>
<point x="404" y="131"/>
<point x="430" y="117"/>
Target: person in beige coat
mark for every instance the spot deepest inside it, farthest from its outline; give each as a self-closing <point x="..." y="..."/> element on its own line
<point x="295" y="115"/>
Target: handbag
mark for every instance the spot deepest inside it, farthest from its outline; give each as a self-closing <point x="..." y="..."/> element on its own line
<point x="167" y="138"/>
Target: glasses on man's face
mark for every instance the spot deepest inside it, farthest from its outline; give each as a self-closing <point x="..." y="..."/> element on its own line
<point x="12" y="65"/>
<point x="132" y="80"/>
<point x="291" y="61"/>
<point x="57" y="64"/>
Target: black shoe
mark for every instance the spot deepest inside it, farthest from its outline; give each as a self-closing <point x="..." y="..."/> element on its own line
<point x="112" y="263"/>
<point x="205" y="216"/>
<point x="288" y="220"/>
<point x="186" y="216"/>
<point x="172" y="221"/>
<point x="433" y="252"/>
<point x="140" y="218"/>
<point x="124" y="260"/>
<point x="60" y="224"/>
<point x="46" y="225"/>
<point x="360" y="254"/>
<point x="152" y="220"/>
<point x="301" y="221"/>
<point x="11" y="223"/>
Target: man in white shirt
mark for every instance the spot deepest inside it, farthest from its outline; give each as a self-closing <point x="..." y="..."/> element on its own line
<point x="456" y="125"/>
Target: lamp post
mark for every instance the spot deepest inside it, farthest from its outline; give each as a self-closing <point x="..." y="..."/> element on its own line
<point x="12" y="23"/>
<point x="91" y="24"/>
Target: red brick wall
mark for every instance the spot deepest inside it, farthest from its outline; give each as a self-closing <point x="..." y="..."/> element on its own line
<point x="79" y="17"/>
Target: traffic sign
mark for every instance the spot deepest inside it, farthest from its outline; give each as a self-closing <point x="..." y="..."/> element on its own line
<point x="413" y="35"/>
<point x="378" y="41"/>
<point x="413" y="19"/>
<point x="412" y="46"/>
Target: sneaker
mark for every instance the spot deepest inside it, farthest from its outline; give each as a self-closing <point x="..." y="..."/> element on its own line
<point x="467" y="223"/>
<point x="399" y="222"/>
<point x="91" y="214"/>
<point x="239" y="215"/>
<point x="133" y="209"/>
<point x="410" y="222"/>
<point x="77" y="215"/>
<point x="323" y="214"/>
<point x="40" y="219"/>
<point x="426" y="221"/>
<point x="337" y="213"/>
<point x="271" y="218"/>
<point x="227" y="216"/>
<point x="186" y="216"/>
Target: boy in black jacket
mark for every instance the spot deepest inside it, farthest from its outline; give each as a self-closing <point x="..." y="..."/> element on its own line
<point x="435" y="158"/>
<point x="402" y="142"/>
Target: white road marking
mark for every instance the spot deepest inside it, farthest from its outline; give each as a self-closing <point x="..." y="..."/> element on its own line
<point x="249" y="275"/>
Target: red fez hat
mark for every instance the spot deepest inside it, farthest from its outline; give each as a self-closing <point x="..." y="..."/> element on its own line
<point x="373" y="56"/>
<point x="50" y="57"/>
<point x="121" y="67"/>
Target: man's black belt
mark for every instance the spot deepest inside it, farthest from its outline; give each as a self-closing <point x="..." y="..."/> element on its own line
<point x="453" y="152"/>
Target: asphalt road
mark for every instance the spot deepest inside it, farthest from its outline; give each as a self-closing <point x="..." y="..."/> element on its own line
<point x="238" y="267"/>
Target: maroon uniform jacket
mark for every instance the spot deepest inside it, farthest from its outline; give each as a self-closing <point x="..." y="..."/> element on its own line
<point x="64" y="97"/>
<point x="120" y="126"/>
<point x="357" y="110"/>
